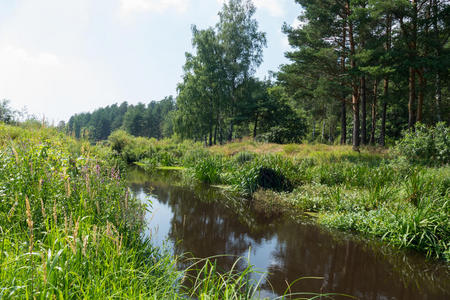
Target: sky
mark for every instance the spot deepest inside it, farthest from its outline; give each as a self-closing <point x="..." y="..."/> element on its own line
<point x="61" y="57"/>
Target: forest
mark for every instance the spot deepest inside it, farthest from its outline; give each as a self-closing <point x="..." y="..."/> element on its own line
<point x="360" y="73"/>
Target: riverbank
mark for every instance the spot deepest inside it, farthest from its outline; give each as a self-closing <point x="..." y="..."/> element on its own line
<point x="70" y="228"/>
<point x="376" y="192"/>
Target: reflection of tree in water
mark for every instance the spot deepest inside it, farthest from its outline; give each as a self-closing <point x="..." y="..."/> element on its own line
<point x="205" y="228"/>
<point x="207" y="224"/>
<point x="345" y="265"/>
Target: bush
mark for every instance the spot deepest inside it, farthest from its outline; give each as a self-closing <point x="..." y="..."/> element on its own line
<point x="426" y="145"/>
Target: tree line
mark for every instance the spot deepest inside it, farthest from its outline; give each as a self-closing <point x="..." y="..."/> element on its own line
<point x="152" y="120"/>
<point x="359" y="72"/>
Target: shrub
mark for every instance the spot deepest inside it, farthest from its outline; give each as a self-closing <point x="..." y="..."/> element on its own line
<point x="426" y="145"/>
<point x="118" y="140"/>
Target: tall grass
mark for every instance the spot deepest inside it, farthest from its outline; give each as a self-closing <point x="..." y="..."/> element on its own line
<point x="69" y="227"/>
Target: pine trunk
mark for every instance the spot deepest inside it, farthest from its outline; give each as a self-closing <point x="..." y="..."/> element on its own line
<point x="422" y="83"/>
<point x="363" y="111"/>
<point x="412" y="70"/>
<point x="374" y="112"/>
<point x="343" y="123"/>
<point x="386" y="83"/>
<point x="256" y="126"/>
<point x="438" y="87"/>
<point x="355" y="92"/>
<point x="343" y="70"/>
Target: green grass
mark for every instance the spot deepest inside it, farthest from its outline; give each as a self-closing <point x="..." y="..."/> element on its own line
<point x="69" y="227"/>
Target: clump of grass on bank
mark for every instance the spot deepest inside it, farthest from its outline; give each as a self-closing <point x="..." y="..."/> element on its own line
<point x="400" y="195"/>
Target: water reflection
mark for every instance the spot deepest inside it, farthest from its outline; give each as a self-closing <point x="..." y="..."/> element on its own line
<point x="205" y="223"/>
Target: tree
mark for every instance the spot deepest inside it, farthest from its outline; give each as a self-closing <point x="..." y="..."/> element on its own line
<point x="243" y="45"/>
<point x="219" y="73"/>
<point x="318" y="77"/>
<point x="7" y="114"/>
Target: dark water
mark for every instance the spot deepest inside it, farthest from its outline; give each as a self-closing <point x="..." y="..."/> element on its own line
<point x="204" y="222"/>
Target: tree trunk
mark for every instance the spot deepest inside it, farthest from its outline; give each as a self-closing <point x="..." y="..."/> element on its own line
<point x="343" y="122"/>
<point x="215" y="134"/>
<point x="256" y="126"/>
<point x="422" y="83"/>
<point x="221" y="134"/>
<point x="355" y="92"/>
<point x="210" y="135"/>
<point x="230" y="134"/>
<point x="438" y="87"/>
<point x="438" y="97"/>
<point x="314" y="130"/>
<point x="343" y="101"/>
<point x="363" y="111"/>
<point x="383" y="114"/>
<point x="330" y="136"/>
<point x="412" y="71"/>
<point x="374" y="112"/>
<point x="386" y="83"/>
<point x="323" y="131"/>
<point x="412" y="96"/>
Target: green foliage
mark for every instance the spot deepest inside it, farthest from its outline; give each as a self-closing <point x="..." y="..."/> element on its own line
<point x="208" y="170"/>
<point x="243" y="157"/>
<point x="426" y="145"/>
<point x="7" y="114"/>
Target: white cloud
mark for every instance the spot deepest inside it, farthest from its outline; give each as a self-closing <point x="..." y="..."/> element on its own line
<point x="128" y="7"/>
<point x="50" y="84"/>
<point x="274" y="7"/>
<point x="44" y="63"/>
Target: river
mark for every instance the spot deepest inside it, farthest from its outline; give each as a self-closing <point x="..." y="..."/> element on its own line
<point x="204" y="222"/>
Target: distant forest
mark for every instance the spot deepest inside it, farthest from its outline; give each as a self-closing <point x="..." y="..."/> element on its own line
<point x="152" y="120"/>
<point x="360" y="72"/>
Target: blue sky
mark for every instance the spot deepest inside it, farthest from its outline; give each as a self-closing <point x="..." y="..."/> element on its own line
<point x="60" y="57"/>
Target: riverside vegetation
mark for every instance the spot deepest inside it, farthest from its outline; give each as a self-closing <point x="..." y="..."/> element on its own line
<point x="400" y="195"/>
<point x="69" y="228"/>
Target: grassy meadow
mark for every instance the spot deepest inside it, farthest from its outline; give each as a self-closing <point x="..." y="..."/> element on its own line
<point x="396" y="197"/>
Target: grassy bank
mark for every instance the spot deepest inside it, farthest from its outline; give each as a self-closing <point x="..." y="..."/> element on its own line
<point x="70" y="229"/>
<point x="376" y="192"/>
